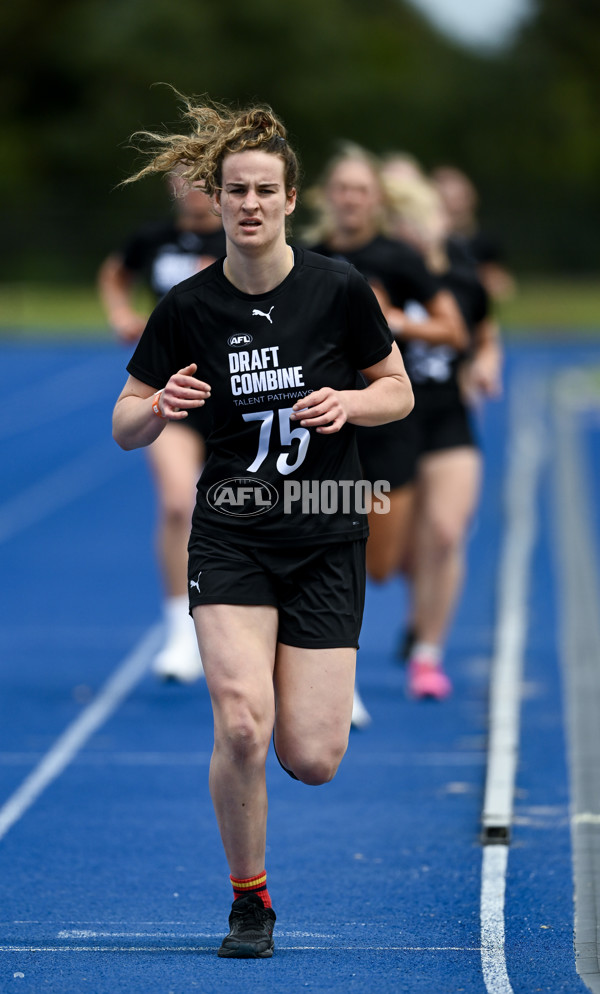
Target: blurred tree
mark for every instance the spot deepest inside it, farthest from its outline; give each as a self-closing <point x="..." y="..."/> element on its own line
<point x="554" y="103"/>
<point x="76" y="79"/>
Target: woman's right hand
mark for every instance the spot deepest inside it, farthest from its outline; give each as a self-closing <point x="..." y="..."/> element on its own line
<point x="183" y="393"/>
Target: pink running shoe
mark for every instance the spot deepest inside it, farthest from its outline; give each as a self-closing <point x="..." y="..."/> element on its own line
<point x="427" y="680"/>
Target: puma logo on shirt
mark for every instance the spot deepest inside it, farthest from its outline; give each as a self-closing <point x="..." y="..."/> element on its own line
<point x="261" y="314"/>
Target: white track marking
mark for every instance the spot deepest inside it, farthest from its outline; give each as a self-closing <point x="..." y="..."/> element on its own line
<point x="84" y="933"/>
<point x="493" y="882"/>
<point x="71" y="481"/>
<point x="108" y="700"/>
<point x="207" y="949"/>
<point x="526" y="442"/>
<point x="526" y="447"/>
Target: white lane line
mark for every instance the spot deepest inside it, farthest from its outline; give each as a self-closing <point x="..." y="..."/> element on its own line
<point x="526" y="445"/>
<point x="493" y="883"/>
<point x="71" y="481"/>
<point x="108" y="700"/>
<point x="211" y="949"/>
<point x="85" y="933"/>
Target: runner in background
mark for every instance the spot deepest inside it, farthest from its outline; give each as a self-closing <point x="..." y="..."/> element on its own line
<point x="158" y="256"/>
<point x="448" y="383"/>
<point x="461" y="202"/>
<point x="351" y="222"/>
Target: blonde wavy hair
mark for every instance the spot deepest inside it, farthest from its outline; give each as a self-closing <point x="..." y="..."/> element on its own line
<point x="322" y="226"/>
<point x="417" y="215"/>
<point x="216" y="131"/>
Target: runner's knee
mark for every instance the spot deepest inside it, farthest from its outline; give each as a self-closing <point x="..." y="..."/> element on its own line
<point x="177" y="508"/>
<point x="241" y="732"/>
<point x="315" y="767"/>
<point x="447" y="535"/>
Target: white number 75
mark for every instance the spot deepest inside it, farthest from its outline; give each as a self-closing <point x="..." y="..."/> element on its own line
<point x="287" y="436"/>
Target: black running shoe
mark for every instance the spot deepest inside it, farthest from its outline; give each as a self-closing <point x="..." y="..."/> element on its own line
<point x="250" y="930"/>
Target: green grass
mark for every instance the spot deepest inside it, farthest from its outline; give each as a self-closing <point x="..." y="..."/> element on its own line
<point x="37" y="310"/>
<point x="553" y="306"/>
<point x="544" y="306"/>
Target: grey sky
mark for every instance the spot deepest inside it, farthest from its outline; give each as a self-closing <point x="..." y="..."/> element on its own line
<point x="488" y="23"/>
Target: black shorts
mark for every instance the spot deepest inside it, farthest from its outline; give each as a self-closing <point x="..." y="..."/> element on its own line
<point x="389" y="452"/>
<point x="319" y="590"/>
<point x="439" y="420"/>
<point x="443" y="419"/>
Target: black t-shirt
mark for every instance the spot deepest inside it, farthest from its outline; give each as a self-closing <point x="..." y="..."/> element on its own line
<point x="480" y="247"/>
<point x="433" y="365"/>
<point x="403" y="274"/>
<point x="163" y="254"/>
<point x="261" y="354"/>
<point x="397" y="266"/>
<point x="470" y="294"/>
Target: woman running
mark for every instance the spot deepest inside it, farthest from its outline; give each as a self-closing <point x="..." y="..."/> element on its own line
<point x="445" y="382"/>
<point x="461" y="202"/>
<point x="275" y="336"/>
<point x="351" y="224"/>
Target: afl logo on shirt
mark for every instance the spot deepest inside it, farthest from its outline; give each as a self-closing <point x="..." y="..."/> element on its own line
<point x="242" y="496"/>
<point x="239" y="340"/>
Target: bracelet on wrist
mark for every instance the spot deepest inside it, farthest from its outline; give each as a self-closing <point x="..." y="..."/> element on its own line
<point x="156" y="406"/>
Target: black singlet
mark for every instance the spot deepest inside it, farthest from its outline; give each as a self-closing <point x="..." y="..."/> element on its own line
<point x="260" y="354"/>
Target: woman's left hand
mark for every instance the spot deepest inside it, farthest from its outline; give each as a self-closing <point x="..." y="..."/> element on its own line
<point x="481" y="379"/>
<point x="326" y="410"/>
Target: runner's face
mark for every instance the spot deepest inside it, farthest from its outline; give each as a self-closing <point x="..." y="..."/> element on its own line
<point x="354" y="197"/>
<point x="195" y="212"/>
<point x="253" y="199"/>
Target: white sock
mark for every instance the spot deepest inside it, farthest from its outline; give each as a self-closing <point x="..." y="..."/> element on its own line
<point x="427" y="652"/>
<point x="177" y="614"/>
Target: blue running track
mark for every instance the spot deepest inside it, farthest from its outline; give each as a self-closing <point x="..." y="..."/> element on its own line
<point x="111" y="869"/>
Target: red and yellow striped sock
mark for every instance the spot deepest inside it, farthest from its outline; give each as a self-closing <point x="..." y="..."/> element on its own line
<point x="252" y="885"/>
